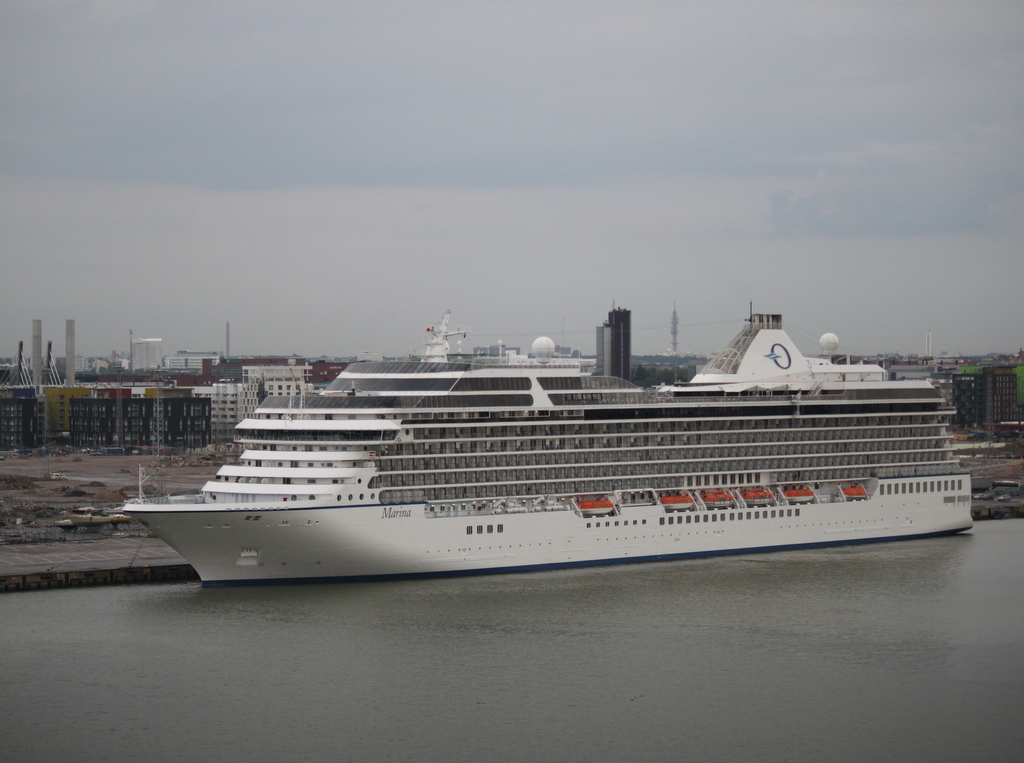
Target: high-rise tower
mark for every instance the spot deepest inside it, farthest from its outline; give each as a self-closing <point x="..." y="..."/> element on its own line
<point x="614" y="345"/>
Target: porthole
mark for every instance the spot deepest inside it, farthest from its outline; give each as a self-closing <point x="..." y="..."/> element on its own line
<point x="312" y="498"/>
<point x="360" y="496"/>
<point x="350" y="496"/>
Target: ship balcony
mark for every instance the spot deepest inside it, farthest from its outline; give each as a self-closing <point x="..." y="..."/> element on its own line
<point x="250" y="454"/>
<point x="219" y="492"/>
<point x="261" y="460"/>
<point x="296" y="475"/>
<point x="176" y="500"/>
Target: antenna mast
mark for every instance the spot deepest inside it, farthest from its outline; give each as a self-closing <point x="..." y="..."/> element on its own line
<point x="436" y="344"/>
<point x="675" y="330"/>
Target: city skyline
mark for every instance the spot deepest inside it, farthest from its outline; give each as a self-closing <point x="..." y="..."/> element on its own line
<point x="809" y="344"/>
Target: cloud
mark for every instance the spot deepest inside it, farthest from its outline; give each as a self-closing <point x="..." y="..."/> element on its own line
<point x="268" y="94"/>
<point x="328" y="174"/>
<point x="947" y="185"/>
<point x="335" y="270"/>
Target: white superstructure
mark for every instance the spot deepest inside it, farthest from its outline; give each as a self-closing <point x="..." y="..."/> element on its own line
<point x="449" y="465"/>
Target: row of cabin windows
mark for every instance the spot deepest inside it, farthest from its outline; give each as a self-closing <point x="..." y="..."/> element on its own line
<point x="436" y="472"/>
<point x="461" y="457"/>
<point x="922" y="487"/>
<point x="434" y="475"/>
<point x="608" y="482"/>
<point x="733" y="515"/>
<point x="294" y="448"/>
<point x="454" y="442"/>
<point x="680" y="425"/>
<point x="480" y="529"/>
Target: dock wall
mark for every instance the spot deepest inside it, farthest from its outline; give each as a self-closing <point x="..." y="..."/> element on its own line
<point x="79" y="578"/>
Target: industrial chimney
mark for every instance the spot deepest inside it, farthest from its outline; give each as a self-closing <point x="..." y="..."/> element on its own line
<point x="69" y="353"/>
<point x="37" y="353"/>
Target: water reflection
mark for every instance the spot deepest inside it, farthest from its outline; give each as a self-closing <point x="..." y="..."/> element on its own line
<point x="840" y="653"/>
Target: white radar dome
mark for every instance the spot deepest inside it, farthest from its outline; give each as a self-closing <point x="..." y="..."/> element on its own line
<point x="829" y="343"/>
<point x="543" y="348"/>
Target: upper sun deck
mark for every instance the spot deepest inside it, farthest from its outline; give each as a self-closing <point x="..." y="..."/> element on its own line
<point x="763" y="355"/>
<point x="760" y="361"/>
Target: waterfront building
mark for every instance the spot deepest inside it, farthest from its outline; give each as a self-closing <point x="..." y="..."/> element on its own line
<point x="282" y="380"/>
<point x="230" y="403"/>
<point x="20" y="421"/>
<point x="58" y="407"/>
<point x="94" y="419"/>
<point x="147" y="353"/>
<point x="189" y="360"/>
<point x="985" y="396"/>
<point x="614" y="345"/>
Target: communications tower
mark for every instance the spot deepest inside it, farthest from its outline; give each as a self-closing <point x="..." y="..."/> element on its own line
<point x="675" y="329"/>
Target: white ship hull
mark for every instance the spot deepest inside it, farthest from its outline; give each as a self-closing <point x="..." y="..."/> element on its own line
<point x="447" y="467"/>
<point x="378" y="542"/>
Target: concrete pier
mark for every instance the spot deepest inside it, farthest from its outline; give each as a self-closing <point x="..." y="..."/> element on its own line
<point x="113" y="561"/>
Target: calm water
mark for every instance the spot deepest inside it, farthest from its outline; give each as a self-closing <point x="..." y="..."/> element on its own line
<point x="906" y="651"/>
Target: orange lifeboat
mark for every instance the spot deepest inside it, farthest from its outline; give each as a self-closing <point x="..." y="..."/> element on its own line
<point x="714" y="499"/>
<point x="855" y="492"/>
<point x="596" y="508"/>
<point x="677" y="502"/>
<point x="757" y="496"/>
<point x="798" y="494"/>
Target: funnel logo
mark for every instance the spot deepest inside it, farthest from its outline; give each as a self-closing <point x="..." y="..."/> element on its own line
<point x="779" y="355"/>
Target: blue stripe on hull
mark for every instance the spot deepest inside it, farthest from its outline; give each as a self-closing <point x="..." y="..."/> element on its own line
<point x="567" y="565"/>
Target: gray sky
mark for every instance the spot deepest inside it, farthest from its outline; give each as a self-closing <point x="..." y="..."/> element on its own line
<point x="331" y="176"/>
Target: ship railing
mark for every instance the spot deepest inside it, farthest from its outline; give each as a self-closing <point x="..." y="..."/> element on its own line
<point x="484" y="507"/>
<point x="191" y="498"/>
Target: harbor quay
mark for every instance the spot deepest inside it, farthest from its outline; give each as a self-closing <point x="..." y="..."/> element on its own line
<point x="37" y="553"/>
<point x="108" y="561"/>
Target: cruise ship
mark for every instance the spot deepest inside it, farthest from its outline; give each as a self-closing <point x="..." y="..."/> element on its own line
<point x="452" y="465"/>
